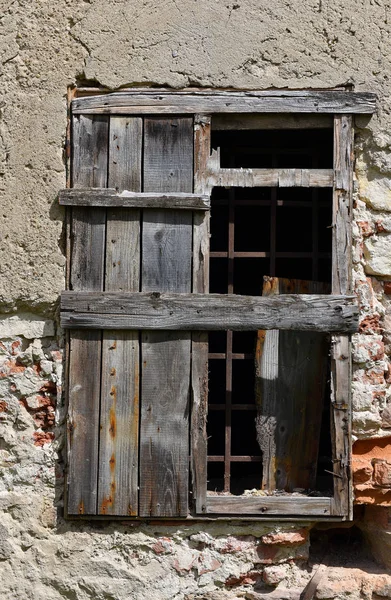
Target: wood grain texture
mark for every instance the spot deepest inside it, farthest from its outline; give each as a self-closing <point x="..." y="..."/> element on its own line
<point x="112" y="198"/>
<point x="199" y="348"/>
<point x="166" y="266"/>
<point x="119" y="410"/>
<point x="268" y="505"/>
<point x="342" y="282"/>
<point x="204" y="102"/>
<point x="224" y="122"/>
<point x="89" y="168"/>
<point x="290" y="376"/>
<point x="209" y="311"/>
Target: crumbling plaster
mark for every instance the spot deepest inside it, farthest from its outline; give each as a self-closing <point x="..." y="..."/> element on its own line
<point x="47" y="46"/>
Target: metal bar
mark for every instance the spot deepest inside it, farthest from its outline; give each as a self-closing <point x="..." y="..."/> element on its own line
<point x="262" y="202"/>
<point x="315" y="224"/>
<point x="221" y="254"/>
<point x="244" y="458"/>
<point x="233" y="407"/>
<point x="228" y="373"/>
<point x="235" y="356"/>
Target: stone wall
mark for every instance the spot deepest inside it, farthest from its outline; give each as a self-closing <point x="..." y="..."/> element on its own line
<point x="46" y="47"/>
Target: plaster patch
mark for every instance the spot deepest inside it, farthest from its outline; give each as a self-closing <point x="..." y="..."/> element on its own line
<point x="26" y="325"/>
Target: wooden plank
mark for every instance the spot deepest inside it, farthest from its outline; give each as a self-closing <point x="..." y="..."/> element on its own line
<point x="290" y="379"/>
<point x="342" y="281"/>
<point x="268" y="177"/>
<point x="119" y="412"/>
<point x="269" y="505"/>
<point x="208" y="311"/>
<point x="125" y="153"/>
<point x="223" y="122"/>
<point x="166" y="266"/>
<point x="205" y="102"/>
<point x="111" y="198"/>
<point x="199" y="348"/>
<point x="89" y="147"/>
<point x="89" y="168"/>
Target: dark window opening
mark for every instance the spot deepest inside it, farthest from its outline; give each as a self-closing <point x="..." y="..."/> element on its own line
<point x="272" y="232"/>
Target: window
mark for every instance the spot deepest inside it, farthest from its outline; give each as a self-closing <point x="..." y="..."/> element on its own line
<point x="154" y="174"/>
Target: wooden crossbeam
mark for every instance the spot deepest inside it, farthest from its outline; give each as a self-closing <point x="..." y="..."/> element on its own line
<point x="202" y="312"/>
<point x="204" y="102"/>
<point x="109" y="197"/>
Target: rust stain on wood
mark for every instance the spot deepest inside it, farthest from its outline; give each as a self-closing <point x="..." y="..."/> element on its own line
<point x="81" y="509"/>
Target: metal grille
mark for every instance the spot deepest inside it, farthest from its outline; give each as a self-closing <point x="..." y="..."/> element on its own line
<point x="238" y="264"/>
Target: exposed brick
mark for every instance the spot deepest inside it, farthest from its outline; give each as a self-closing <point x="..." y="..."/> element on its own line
<point x="245" y="579"/>
<point x="366" y="228"/>
<point x="43" y="437"/>
<point x="387" y="287"/>
<point x="370" y="324"/>
<point x="286" y="538"/>
<point x="3" y="405"/>
<point x="381" y="473"/>
<point x="163" y="546"/>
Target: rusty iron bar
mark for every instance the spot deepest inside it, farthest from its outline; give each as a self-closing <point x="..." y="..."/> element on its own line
<point x="315" y="224"/>
<point x="222" y="254"/>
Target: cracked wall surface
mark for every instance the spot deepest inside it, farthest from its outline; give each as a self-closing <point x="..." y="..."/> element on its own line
<point x="255" y="44"/>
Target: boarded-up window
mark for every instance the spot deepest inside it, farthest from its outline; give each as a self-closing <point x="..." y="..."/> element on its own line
<point x="138" y="307"/>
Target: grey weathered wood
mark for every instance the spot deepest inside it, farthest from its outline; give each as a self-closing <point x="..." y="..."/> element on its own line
<point x="89" y="168"/>
<point x="290" y="376"/>
<point x="166" y="266"/>
<point x="269" y="177"/>
<point x="224" y="122"/>
<point x="342" y="283"/>
<point x="204" y="102"/>
<point x="83" y="422"/>
<point x="125" y="153"/>
<point x="209" y="311"/>
<point x="268" y="505"/>
<point x="119" y="411"/>
<point x="112" y="198"/>
<point x="199" y="349"/>
<point x="89" y="150"/>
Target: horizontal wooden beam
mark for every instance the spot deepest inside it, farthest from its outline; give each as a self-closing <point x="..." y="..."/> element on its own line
<point x="111" y="198"/>
<point x="268" y="505"/>
<point x="206" y="102"/>
<point x="223" y="122"/>
<point x="270" y="177"/>
<point x="144" y="310"/>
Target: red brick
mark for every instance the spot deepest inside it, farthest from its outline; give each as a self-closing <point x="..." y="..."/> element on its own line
<point x="387" y="287"/>
<point x="42" y="437"/>
<point x="3" y="405"/>
<point x="370" y="324"/>
<point x="382" y="473"/>
<point x="286" y="538"/>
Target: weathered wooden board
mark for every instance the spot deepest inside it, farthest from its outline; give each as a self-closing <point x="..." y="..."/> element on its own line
<point x="119" y="410"/>
<point x="199" y="348"/>
<point x="126" y="199"/>
<point x="342" y="282"/>
<point x="290" y="379"/>
<point x="268" y="505"/>
<point x="208" y="311"/>
<point x="269" y="177"/>
<point x="166" y="266"/>
<point x="224" y="122"/>
<point x="204" y="102"/>
<point x="89" y="168"/>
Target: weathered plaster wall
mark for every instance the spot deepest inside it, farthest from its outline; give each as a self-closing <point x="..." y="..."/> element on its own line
<point x="46" y="46"/>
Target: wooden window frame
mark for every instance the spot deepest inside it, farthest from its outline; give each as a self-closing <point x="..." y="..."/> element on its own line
<point x="200" y="311"/>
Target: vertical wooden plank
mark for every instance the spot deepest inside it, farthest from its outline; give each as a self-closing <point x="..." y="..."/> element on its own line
<point x="119" y="413"/>
<point x="291" y="368"/>
<point x="89" y="169"/>
<point x="166" y="266"/>
<point x="199" y="348"/>
<point x="342" y="284"/>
